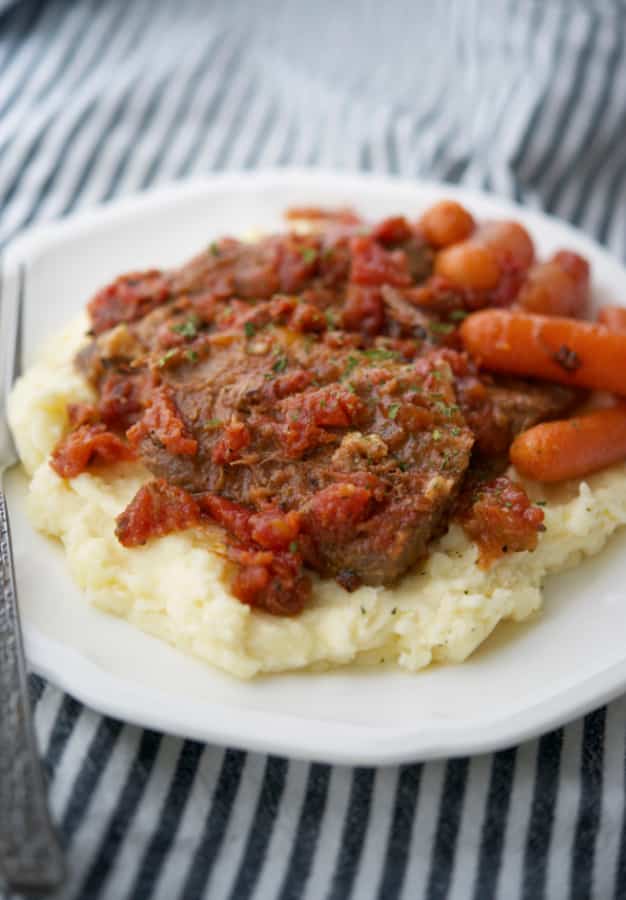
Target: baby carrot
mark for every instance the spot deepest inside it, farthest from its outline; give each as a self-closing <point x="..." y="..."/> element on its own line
<point x="571" y="448"/>
<point x="614" y="317"/>
<point x="571" y="352"/>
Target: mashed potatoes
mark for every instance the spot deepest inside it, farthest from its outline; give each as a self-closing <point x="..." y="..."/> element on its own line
<point x="174" y="587"/>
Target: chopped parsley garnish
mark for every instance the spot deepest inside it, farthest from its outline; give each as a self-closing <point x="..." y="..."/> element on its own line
<point x="446" y="409"/>
<point x="393" y="410"/>
<point x="249" y="329"/>
<point x="541" y="502"/>
<point x="351" y="387"/>
<point x="457" y="315"/>
<point x="192" y="356"/>
<point x="330" y="318"/>
<point x="377" y="353"/>
<point x="436" y="435"/>
<point x="214" y="423"/>
<point x="455" y="431"/>
<point x="280" y="365"/>
<point x="401" y="465"/>
<point x="215" y="250"/>
<point x="308" y="254"/>
<point x="293" y="547"/>
<point x="166" y="357"/>
<point x="351" y="365"/>
<point x="189" y="328"/>
<point x="441" y="327"/>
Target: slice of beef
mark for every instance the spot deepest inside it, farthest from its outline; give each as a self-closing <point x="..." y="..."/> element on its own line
<point x="499" y="408"/>
<point x="369" y="449"/>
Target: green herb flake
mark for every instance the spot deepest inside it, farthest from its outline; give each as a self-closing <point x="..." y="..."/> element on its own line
<point x="308" y="254"/>
<point x="215" y="250"/>
<point x="455" y="431"/>
<point x="351" y="387"/>
<point x="441" y="327"/>
<point x="249" y="329"/>
<point x="280" y="365"/>
<point x="457" y="315"/>
<point x="394" y="610"/>
<point x="188" y="329"/>
<point x="293" y="547"/>
<point x="436" y="435"/>
<point x="330" y="318"/>
<point x="393" y="410"/>
<point x="192" y="356"/>
<point x="166" y="357"/>
<point x="214" y="423"/>
<point x="377" y="354"/>
<point x="351" y="364"/>
<point x="541" y="502"/>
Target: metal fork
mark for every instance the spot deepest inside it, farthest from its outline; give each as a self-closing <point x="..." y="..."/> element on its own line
<point x="31" y="858"/>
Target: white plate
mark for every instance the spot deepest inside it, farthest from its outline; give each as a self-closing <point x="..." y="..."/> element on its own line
<point x="526" y="679"/>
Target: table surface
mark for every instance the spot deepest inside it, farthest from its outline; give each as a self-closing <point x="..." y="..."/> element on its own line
<point x="523" y="98"/>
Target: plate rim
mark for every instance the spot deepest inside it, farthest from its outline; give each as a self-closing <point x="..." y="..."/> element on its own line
<point x="339" y="743"/>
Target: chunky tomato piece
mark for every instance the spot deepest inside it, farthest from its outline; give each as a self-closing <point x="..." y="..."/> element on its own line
<point x="337" y="509"/>
<point x="290" y="383"/>
<point x="373" y="265"/>
<point x="500" y="518"/>
<point x="364" y="310"/>
<point x="307" y="318"/>
<point x="162" y="421"/>
<point x="393" y="230"/>
<point x="82" y="414"/>
<point x="273" y="582"/>
<point x="298" y="263"/>
<point x="87" y="445"/>
<point x="235" y="437"/>
<point x="306" y="416"/>
<point x="273" y="529"/>
<point x="157" y="508"/>
<point x="122" y="398"/>
<point x="128" y="298"/>
<point x="332" y="406"/>
<point x="232" y="516"/>
<point x="257" y="278"/>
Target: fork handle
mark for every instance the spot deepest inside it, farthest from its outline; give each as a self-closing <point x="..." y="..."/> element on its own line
<point x="31" y="859"/>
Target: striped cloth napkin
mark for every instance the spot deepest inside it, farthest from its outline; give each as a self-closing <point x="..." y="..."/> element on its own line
<point x="525" y="98"/>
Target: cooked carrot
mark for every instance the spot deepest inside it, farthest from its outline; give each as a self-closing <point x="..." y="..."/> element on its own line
<point x="509" y="241"/>
<point x="571" y="448"/>
<point x="614" y="317"/>
<point x="468" y="265"/>
<point x="445" y="223"/>
<point x="582" y="354"/>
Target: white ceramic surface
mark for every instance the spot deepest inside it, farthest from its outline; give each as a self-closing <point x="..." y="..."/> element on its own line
<point x="526" y="679"/>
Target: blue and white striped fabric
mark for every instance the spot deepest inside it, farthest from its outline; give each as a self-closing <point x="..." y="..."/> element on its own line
<point x="525" y="98"/>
